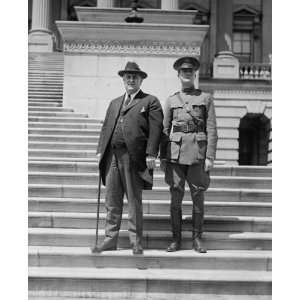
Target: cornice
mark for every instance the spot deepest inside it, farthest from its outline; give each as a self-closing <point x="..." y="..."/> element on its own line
<point x="141" y="47"/>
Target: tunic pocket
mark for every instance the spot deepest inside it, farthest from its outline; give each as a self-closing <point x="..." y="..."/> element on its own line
<point x="201" y="139"/>
<point x="174" y="146"/>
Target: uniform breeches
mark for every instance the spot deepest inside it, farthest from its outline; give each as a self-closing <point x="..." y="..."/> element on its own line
<point x="175" y="176"/>
<point x="122" y="179"/>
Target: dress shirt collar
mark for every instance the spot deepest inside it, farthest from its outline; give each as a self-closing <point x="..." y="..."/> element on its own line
<point x="132" y="96"/>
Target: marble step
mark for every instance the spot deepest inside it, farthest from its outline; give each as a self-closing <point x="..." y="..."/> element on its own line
<point x="157" y="193"/>
<point x="64" y="145"/>
<point x="221" y="170"/>
<point x="76" y="257"/>
<point x="151" y="222"/>
<point x="53" y="125"/>
<point x="58" y="119"/>
<point x="63" y="138"/>
<point x="158" y="180"/>
<point x="70" y="237"/>
<point x="221" y="208"/>
<point x="154" y="284"/>
<point x="57" y="114"/>
<point x="45" y="105"/>
<point x="35" y="108"/>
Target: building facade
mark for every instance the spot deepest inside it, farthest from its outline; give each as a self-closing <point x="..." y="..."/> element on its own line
<point x="235" y="62"/>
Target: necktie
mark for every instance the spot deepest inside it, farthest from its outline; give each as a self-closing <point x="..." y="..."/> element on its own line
<point x="127" y="101"/>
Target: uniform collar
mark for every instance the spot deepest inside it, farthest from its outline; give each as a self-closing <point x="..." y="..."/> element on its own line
<point x="188" y="90"/>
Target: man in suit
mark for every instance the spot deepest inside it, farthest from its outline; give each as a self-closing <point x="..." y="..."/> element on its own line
<point x="127" y="149"/>
<point x="188" y="149"/>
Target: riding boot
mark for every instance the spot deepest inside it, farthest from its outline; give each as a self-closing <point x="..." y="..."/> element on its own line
<point x="197" y="221"/>
<point x="176" y="219"/>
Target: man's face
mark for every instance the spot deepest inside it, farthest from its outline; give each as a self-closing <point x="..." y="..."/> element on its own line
<point x="132" y="82"/>
<point x="187" y="75"/>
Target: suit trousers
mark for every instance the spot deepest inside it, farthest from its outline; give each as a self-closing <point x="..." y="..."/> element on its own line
<point x="122" y="179"/>
<point x="176" y="175"/>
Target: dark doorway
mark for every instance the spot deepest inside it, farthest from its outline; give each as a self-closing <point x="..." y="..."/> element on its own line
<point x="253" y="139"/>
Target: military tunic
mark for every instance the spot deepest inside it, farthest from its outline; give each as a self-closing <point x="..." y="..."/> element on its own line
<point x="189" y="147"/>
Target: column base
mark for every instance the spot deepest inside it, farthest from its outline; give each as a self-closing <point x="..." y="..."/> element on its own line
<point x="40" y="41"/>
<point x="226" y="65"/>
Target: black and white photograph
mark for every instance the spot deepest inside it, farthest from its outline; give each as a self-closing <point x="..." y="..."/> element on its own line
<point x="149" y="149"/>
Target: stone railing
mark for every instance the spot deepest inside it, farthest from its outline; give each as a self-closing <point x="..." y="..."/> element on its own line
<point x="255" y="71"/>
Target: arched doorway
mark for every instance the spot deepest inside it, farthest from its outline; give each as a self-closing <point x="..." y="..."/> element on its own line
<point x="253" y="139"/>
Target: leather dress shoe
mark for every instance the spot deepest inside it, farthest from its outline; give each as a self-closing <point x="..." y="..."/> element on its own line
<point x="137" y="249"/>
<point x="198" y="246"/>
<point x="174" y="246"/>
<point x="99" y="249"/>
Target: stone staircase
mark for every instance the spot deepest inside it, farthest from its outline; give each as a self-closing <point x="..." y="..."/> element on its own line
<point x="63" y="177"/>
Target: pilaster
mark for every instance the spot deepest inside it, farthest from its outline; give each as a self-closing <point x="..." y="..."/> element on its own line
<point x="40" y="35"/>
<point x="105" y="3"/>
<point x="169" y="4"/>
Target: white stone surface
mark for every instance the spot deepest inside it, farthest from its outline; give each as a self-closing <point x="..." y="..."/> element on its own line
<point x="226" y="66"/>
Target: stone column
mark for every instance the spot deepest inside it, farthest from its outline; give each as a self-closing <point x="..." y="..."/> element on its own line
<point x="40" y="35"/>
<point x="169" y="4"/>
<point x="225" y="64"/>
<point x="266" y="30"/>
<point x="105" y="3"/>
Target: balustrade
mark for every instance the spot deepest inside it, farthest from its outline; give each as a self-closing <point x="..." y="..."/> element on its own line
<point x="255" y="71"/>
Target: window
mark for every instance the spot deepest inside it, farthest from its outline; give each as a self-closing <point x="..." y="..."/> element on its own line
<point x="242" y="45"/>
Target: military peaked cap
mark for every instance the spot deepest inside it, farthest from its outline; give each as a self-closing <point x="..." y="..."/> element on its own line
<point x="133" y="68"/>
<point x="186" y="62"/>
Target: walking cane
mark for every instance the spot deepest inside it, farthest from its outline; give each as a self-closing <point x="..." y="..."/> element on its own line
<point x="96" y="249"/>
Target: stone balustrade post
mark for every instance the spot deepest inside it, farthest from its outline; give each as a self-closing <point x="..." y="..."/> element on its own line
<point x="105" y="3"/>
<point x="169" y="4"/>
<point x="40" y="35"/>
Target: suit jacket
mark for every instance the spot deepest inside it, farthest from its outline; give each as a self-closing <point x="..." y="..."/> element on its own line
<point x="142" y="128"/>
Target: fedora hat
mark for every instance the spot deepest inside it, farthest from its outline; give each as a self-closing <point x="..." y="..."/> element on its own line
<point x="133" y="68"/>
<point x="186" y="62"/>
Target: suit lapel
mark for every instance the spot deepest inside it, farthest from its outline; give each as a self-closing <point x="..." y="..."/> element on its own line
<point x="116" y="110"/>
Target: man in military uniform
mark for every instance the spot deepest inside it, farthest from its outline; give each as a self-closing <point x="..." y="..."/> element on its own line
<point x="188" y="149"/>
<point x="127" y="149"/>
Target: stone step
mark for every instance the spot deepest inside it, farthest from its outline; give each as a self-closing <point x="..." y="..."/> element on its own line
<point x="64" y="132"/>
<point x="154" y="284"/>
<point x="65" y="125"/>
<point x="33" y="108"/>
<point x="220" y="170"/>
<point x="37" y="104"/>
<point x="57" y="114"/>
<point x="45" y="93"/>
<point x="151" y="222"/>
<point x="255" y="209"/>
<point x="63" y="119"/>
<point x="44" y="96"/>
<point x="45" y="89"/>
<point x="70" y="237"/>
<point x="63" y="145"/>
<point x="76" y="257"/>
<point x="60" y="152"/>
<point x="63" y="138"/>
<point x="45" y="84"/>
<point x="158" y="180"/>
<point x="45" y="100"/>
<point x="158" y="193"/>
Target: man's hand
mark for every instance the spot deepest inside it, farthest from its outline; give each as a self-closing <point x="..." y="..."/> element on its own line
<point x="150" y="162"/>
<point x="209" y="163"/>
<point x="163" y="164"/>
